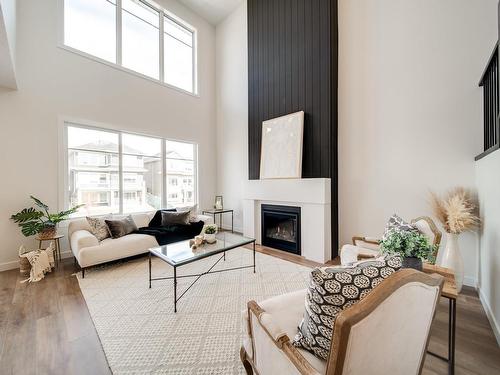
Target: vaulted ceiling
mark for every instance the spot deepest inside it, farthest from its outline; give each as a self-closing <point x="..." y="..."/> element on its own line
<point x="213" y="11"/>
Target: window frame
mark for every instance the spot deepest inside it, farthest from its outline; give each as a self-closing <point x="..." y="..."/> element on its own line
<point x="65" y="122"/>
<point x="118" y="65"/>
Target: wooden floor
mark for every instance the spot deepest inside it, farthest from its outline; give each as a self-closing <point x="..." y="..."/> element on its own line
<point x="45" y="328"/>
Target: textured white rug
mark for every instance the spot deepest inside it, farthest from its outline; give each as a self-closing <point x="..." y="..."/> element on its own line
<point x="140" y="332"/>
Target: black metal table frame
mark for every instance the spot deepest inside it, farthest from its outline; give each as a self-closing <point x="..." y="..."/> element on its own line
<point x="198" y="276"/>
<point x="221" y="214"/>
<point x="452" y="317"/>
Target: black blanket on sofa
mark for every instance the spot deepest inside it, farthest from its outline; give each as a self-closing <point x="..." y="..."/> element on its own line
<point x="170" y="233"/>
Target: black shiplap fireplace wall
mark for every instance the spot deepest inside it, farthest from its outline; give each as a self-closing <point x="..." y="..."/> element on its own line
<point x="292" y="66"/>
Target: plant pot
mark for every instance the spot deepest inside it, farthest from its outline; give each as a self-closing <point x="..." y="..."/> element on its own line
<point x="210" y="238"/>
<point x="452" y="259"/>
<point x="412" y="262"/>
<point x="49" y="231"/>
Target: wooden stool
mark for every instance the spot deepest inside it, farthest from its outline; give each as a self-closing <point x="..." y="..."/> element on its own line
<point x="57" y="250"/>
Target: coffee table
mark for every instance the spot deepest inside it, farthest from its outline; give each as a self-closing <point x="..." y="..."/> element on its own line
<point x="180" y="253"/>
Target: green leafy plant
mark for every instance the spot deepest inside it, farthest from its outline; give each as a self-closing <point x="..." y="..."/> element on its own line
<point x="210" y="229"/>
<point x="35" y="220"/>
<point x="408" y="244"/>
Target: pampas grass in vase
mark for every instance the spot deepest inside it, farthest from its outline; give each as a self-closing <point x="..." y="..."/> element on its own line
<point x="457" y="212"/>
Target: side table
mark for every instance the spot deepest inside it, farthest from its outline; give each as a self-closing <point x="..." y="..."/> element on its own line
<point x="57" y="249"/>
<point x="214" y="212"/>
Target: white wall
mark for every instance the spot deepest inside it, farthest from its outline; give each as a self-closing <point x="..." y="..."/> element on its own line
<point x="409" y="107"/>
<point x="54" y="82"/>
<point x="488" y="184"/>
<point x="232" y="110"/>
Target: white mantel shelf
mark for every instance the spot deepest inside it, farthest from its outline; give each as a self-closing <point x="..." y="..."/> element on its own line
<point x="312" y="195"/>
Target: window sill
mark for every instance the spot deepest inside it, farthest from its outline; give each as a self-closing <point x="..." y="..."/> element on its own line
<point x="126" y="70"/>
<point x="487" y="152"/>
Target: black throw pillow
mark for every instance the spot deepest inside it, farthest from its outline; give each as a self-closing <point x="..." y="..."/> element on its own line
<point x="169" y="218"/>
<point x="156" y="220"/>
<point x="121" y="227"/>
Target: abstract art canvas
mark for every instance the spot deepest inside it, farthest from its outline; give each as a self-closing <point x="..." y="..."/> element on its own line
<point x="281" y="152"/>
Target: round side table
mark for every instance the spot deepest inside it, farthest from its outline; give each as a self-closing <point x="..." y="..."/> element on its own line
<point x="57" y="250"/>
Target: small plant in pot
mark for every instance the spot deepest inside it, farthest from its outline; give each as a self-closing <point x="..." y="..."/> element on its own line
<point x="209" y="232"/>
<point x="39" y="220"/>
<point x="412" y="246"/>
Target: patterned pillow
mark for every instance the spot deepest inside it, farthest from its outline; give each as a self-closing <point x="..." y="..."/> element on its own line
<point x="333" y="289"/>
<point x="121" y="227"/>
<point x="397" y="224"/>
<point x="98" y="227"/>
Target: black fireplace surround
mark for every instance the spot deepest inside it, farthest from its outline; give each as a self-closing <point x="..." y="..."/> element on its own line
<point x="280" y="227"/>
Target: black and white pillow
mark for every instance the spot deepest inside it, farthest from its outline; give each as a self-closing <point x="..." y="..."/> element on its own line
<point x="332" y="290"/>
<point x="397" y="224"/>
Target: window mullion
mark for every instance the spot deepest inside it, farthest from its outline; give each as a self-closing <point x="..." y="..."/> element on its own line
<point x="120" y="172"/>
<point x="162" y="46"/>
<point x="164" y="174"/>
<point x="119" y="32"/>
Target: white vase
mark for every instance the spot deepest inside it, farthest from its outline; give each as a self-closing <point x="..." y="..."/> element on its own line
<point x="453" y="259"/>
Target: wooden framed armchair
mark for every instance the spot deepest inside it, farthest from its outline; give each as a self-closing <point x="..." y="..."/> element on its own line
<point x="368" y="247"/>
<point x="385" y="333"/>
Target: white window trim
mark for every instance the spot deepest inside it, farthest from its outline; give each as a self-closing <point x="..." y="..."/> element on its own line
<point x="65" y="121"/>
<point x="118" y="66"/>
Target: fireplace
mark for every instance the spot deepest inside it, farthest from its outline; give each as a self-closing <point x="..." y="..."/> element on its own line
<point x="281" y="227"/>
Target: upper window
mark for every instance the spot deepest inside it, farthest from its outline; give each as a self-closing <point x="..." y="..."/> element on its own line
<point x="117" y="172"/>
<point x="135" y="35"/>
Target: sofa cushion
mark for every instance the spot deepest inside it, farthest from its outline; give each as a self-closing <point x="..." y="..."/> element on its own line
<point x="332" y="290"/>
<point x="115" y="248"/>
<point x="121" y="227"/>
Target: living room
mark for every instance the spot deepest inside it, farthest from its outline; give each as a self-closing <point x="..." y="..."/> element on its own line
<point x="163" y="110"/>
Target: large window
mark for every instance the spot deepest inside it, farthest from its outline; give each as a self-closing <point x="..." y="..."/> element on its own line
<point x="135" y="35"/>
<point x="118" y="172"/>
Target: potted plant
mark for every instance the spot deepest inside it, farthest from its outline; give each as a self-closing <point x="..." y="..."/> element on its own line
<point x="412" y="246"/>
<point x="209" y="232"/>
<point x="457" y="212"/>
<point x="39" y="221"/>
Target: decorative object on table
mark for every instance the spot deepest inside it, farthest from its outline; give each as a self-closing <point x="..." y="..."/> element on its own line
<point x="411" y="245"/>
<point x="457" y="212"/>
<point x="39" y="221"/>
<point x="197" y="242"/>
<point x="41" y="262"/>
<point x="209" y="232"/>
<point x="281" y="150"/>
<point x="219" y="203"/>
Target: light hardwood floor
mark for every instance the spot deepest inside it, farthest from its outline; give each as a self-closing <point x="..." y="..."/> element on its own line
<point x="45" y="328"/>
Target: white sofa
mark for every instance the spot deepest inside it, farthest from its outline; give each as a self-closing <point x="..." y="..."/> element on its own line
<point x="88" y="251"/>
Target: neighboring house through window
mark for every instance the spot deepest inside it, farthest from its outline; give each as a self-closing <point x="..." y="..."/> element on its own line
<point x="117" y="172"/>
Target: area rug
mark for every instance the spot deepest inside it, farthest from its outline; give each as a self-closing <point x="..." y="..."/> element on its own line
<point x="141" y="334"/>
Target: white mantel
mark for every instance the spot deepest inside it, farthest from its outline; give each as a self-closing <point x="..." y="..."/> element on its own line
<point x="312" y="195"/>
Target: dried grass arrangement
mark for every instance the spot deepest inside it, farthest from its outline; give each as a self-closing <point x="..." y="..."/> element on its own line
<point x="456" y="210"/>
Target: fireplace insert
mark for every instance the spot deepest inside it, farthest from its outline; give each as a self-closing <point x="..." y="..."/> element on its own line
<point x="281" y="227"/>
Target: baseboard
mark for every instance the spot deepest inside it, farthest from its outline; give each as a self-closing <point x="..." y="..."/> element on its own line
<point x="493" y="322"/>
<point x="470" y="281"/>
<point x="15" y="263"/>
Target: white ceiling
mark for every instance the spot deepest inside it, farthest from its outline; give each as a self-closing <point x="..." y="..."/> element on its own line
<point x="213" y="11"/>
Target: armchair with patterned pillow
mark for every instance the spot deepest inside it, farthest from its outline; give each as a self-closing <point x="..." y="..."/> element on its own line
<point x="384" y="333"/>
<point x="368" y="247"/>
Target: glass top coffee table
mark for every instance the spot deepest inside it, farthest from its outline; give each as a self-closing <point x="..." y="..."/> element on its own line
<point x="180" y="253"/>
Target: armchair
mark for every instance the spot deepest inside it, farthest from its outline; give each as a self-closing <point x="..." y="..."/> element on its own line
<point x="385" y="333"/>
<point x="368" y="247"/>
